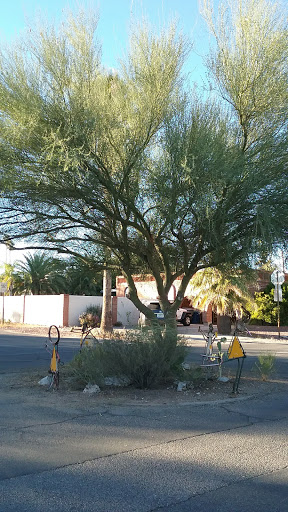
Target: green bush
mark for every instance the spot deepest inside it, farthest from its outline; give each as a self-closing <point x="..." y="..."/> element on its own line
<point x="139" y="358"/>
<point x="148" y="363"/>
<point x="266" y="307"/>
<point x="118" y="324"/>
<point x="86" y="366"/>
<point x="91" y="317"/>
<point x="195" y="374"/>
<point x="266" y="365"/>
<point x="255" y="321"/>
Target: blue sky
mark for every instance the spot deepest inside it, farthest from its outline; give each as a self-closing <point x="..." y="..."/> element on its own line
<point x="113" y="30"/>
<point x="115" y="18"/>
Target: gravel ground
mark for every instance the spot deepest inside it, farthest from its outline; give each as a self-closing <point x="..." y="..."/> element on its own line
<point x="27" y="383"/>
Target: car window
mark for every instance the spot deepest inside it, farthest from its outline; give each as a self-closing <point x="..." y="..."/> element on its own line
<point x="154" y="306"/>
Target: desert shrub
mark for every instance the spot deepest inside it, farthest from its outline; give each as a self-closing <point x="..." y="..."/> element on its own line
<point x="86" y="366"/>
<point x="256" y="321"/>
<point x="147" y="362"/>
<point x="139" y="358"/>
<point x="266" y="307"/>
<point x="91" y="317"/>
<point x="266" y="365"/>
<point x="195" y="374"/>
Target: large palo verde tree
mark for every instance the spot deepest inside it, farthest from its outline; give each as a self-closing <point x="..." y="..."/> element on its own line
<point x="133" y="162"/>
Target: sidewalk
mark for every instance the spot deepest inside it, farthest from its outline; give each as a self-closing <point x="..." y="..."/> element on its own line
<point x="268" y="331"/>
<point x="257" y="331"/>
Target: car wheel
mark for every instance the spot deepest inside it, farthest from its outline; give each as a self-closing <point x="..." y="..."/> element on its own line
<point x="187" y="320"/>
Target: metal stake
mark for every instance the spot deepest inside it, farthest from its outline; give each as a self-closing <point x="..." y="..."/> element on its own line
<point x="278" y="308"/>
<point x="238" y="375"/>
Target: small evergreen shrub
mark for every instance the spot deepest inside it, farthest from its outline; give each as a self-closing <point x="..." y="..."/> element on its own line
<point x="195" y="375"/>
<point x="118" y="324"/>
<point x="266" y="365"/>
<point x="86" y="367"/>
<point x="139" y="358"/>
<point x="91" y="317"/>
<point x="266" y="307"/>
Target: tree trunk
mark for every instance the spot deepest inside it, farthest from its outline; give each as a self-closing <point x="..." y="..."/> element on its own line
<point x="106" y="317"/>
<point x="223" y="324"/>
<point x="170" y="329"/>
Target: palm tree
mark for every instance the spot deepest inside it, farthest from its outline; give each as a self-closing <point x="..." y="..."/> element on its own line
<point x="39" y="274"/>
<point x="225" y="288"/>
<point x="82" y="278"/>
<point x="8" y="277"/>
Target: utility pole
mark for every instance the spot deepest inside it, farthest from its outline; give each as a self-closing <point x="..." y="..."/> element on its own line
<point x="3" y="290"/>
<point x="278" y="278"/>
<point x="106" y="317"/>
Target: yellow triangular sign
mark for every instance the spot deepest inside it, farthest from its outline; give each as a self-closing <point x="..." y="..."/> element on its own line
<point x="235" y="350"/>
<point x="53" y="366"/>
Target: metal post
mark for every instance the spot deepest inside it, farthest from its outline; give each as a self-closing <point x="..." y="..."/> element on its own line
<point x="238" y="375"/>
<point x="278" y="307"/>
<point x="2" y="308"/>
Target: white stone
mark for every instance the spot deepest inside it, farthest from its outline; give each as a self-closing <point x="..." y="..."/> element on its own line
<point x="91" y="388"/>
<point x="46" y="381"/>
<point x="181" y="386"/>
<point x="223" y="379"/>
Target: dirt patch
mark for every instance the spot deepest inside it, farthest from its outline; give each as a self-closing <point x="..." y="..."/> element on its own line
<point x="40" y="330"/>
<point x="27" y="384"/>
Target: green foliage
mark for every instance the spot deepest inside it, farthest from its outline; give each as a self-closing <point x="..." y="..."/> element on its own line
<point x="91" y="317"/>
<point x="195" y="375"/>
<point x="266" y="365"/>
<point x="82" y="278"/>
<point x="139" y="358"/>
<point x="266" y="307"/>
<point x="87" y="367"/>
<point x="9" y="276"/>
<point x="249" y="63"/>
<point x="133" y="166"/>
<point x="38" y="274"/>
<point x="226" y="288"/>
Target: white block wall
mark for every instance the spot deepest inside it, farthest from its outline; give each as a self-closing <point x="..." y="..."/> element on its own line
<point x="49" y="309"/>
<point x="44" y="309"/>
<point x="13" y="308"/>
<point x="78" y="305"/>
<point x="127" y="313"/>
<point x="148" y="290"/>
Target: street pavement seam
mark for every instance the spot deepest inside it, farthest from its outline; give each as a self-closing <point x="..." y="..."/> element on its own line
<point x="212" y="491"/>
<point x="257" y="419"/>
<point x="137" y="449"/>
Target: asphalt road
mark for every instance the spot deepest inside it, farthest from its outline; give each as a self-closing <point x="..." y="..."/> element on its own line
<point x="22" y="352"/>
<point x="59" y="453"/>
<point x="67" y="452"/>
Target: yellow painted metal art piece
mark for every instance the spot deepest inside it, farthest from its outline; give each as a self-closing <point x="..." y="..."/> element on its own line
<point x="235" y="350"/>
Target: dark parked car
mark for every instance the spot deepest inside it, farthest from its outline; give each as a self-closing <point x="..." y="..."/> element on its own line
<point x="185" y="316"/>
